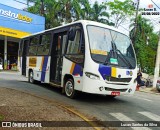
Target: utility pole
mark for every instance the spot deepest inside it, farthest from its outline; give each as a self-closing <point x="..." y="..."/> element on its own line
<point x="42" y="8"/>
<point x="135" y="30"/>
<point x="27" y="3"/>
<point x="157" y="65"/>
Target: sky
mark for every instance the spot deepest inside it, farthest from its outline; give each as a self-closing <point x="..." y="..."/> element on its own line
<point x="124" y="27"/>
<point x="14" y="4"/>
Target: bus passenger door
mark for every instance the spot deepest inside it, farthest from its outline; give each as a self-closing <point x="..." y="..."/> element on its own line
<point x="57" y="57"/>
<point x="24" y="56"/>
<point x="74" y="56"/>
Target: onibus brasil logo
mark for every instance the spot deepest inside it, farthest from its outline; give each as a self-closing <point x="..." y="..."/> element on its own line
<point x="16" y="16"/>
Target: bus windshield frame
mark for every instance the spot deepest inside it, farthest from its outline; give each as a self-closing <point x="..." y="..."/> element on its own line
<point x="110" y="47"/>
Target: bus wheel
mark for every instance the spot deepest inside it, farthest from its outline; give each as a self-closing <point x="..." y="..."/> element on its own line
<point x="30" y="77"/>
<point x="69" y="89"/>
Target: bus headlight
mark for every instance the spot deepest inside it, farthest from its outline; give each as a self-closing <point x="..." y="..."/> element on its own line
<point x="92" y="76"/>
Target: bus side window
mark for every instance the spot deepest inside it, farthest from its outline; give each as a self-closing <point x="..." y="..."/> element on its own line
<point x="33" y="46"/>
<point x="34" y="40"/>
<point x="75" y="48"/>
<point x="64" y="44"/>
<point x="44" y="46"/>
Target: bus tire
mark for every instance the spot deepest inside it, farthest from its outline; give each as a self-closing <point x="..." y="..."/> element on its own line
<point x="69" y="88"/>
<point x="30" y="77"/>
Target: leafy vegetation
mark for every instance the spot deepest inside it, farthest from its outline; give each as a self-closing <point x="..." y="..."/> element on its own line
<point x="145" y="43"/>
<point x="58" y="12"/>
<point x="120" y="11"/>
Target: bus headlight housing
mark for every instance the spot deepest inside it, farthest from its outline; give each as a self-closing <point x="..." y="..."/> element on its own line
<point x="92" y="76"/>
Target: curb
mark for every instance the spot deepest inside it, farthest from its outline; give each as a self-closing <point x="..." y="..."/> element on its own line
<point x="149" y="92"/>
<point x="92" y="124"/>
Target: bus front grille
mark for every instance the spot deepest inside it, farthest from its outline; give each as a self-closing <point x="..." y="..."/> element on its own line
<point x="112" y="89"/>
<point x="113" y="79"/>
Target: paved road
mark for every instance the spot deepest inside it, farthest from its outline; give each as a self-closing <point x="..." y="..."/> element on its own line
<point x="139" y="107"/>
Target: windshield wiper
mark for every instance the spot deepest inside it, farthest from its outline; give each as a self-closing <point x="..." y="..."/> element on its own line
<point x="113" y="53"/>
<point x="125" y="60"/>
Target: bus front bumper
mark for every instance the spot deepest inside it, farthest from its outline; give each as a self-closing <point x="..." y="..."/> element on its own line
<point x="103" y="88"/>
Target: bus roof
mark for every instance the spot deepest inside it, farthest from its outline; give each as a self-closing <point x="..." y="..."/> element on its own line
<point x="83" y="22"/>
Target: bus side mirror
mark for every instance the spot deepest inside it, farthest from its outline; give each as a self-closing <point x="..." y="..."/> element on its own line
<point x="72" y="34"/>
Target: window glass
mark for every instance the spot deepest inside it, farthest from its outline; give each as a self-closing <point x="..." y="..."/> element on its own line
<point x="33" y="46"/>
<point x="74" y="46"/>
<point x="123" y="44"/>
<point x="34" y="40"/>
<point x="32" y="50"/>
<point x="46" y="39"/>
<point x="64" y="43"/>
<point x="58" y="47"/>
<point x="44" y="47"/>
<point x="110" y="47"/>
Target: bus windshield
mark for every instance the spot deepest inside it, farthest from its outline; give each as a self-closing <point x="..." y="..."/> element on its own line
<point x="110" y="47"/>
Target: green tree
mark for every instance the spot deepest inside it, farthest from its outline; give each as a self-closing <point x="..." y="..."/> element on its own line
<point x="49" y="9"/>
<point x="86" y="10"/>
<point x="152" y="51"/>
<point x="72" y="10"/>
<point x="120" y="11"/>
<point x="99" y="13"/>
<point x="145" y="53"/>
<point x="57" y="12"/>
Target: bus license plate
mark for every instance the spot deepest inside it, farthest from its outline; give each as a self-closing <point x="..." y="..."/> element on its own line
<point x="115" y="93"/>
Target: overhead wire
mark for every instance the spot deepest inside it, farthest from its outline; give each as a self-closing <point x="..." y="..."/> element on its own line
<point x="157" y="23"/>
<point x="20" y="2"/>
<point x="155" y="4"/>
<point x="124" y="28"/>
<point x="23" y="2"/>
<point x="153" y="20"/>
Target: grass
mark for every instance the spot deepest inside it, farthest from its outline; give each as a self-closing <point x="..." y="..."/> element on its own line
<point x="1" y="117"/>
